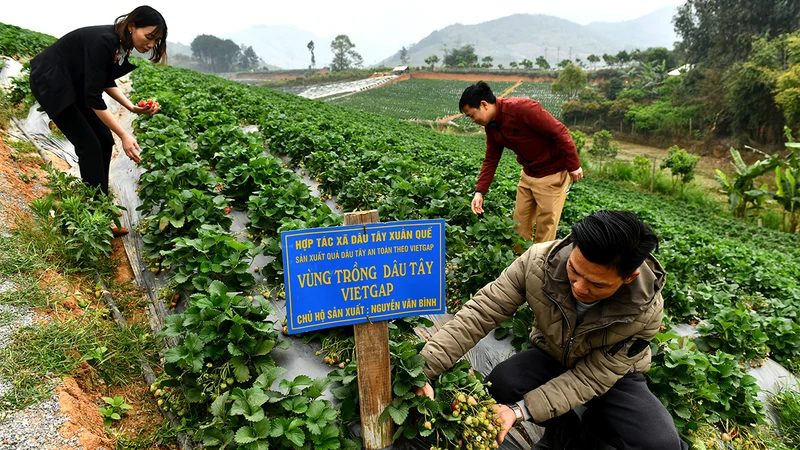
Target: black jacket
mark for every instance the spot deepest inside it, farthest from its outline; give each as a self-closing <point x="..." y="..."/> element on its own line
<point x="76" y="69"/>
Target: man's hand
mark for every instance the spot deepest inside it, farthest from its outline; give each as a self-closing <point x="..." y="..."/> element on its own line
<point x="508" y="418"/>
<point x="131" y="147"/>
<point x="477" y="203"/>
<point x="576" y="175"/>
<point x="427" y="391"/>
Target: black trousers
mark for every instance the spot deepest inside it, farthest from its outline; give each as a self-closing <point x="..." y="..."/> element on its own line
<point x="92" y="140"/>
<point x="626" y="417"/>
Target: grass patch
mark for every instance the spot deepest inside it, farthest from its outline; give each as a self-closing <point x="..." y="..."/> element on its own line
<point x="6" y="318"/>
<point x="162" y="435"/>
<point x="39" y="353"/>
<point x="22" y="146"/>
<point x="627" y="173"/>
<point x="787" y="407"/>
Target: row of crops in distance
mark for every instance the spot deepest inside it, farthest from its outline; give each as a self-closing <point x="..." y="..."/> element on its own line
<point x="739" y="280"/>
<point x="414" y="99"/>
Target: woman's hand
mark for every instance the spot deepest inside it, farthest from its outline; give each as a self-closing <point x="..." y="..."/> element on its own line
<point x="131" y="148"/>
<point x="146" y="109"/>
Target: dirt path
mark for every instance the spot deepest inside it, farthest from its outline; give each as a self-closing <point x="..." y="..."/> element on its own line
<point x="704" y="173"/>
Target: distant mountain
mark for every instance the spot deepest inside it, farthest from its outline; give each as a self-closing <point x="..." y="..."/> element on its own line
<point x="176" y="48"/>
<point x="652" y="30"/>
<point x="520" y="36"/>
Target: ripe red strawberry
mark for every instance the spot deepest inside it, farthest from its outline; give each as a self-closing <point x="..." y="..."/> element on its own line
<point x="141" y="103"/>
<point x="227" y="210"/>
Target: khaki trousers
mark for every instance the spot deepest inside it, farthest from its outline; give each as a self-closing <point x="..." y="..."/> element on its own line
<point x="540" y="201"/>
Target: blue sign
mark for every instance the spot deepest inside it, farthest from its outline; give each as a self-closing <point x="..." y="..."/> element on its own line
<point x="354" y="274"/>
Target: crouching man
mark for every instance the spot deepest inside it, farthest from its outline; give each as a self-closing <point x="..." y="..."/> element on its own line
<point x="596" y="298"/>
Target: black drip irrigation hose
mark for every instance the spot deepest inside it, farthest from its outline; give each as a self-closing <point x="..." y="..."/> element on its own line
<point x="149" y="375"/>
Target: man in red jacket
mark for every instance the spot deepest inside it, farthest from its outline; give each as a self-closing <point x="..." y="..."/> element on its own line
<point x="543" y="146"/>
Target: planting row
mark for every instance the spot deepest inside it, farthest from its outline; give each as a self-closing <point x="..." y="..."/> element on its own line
<point x="719" y="270"/>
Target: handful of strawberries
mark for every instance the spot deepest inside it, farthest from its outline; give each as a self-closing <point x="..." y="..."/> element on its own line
<point x="149" y="104"/>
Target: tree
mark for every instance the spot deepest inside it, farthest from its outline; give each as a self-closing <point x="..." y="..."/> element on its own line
<point x="603" y="148"/>
<point x="487" y="62"/>
<point x="788" y="96"/>
<point x="526" y="63"/>
<point x="656" y="56"/>
<point x="720" y="32"/>
<point x="344" y="54"/>
<point x="310" y="47"/>
<point x="623" y="57"/>
<point x="432" y="60"/>
<point x="564" y="63"/>
<point x="463" y="56"/>
<point x="542" y="63"/>
<point x="513" y="64"/>
<point x="249" y="59"/>
<point x="570" y="81"/>
<point x="217" y="55"/>
<point x="404" y="58"/>
<point x="593" y="59"/>
<point x="610" y="60"/>
<point x="681" y="165"/>
<point x="610" y="88"/>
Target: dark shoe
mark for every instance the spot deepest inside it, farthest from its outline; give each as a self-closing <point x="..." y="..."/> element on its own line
<point x="119" y="231"/>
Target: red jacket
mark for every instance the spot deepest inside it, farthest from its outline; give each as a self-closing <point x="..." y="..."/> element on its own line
<point x="542" y="144"/>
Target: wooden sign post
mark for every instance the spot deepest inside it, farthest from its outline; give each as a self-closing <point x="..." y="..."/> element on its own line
<point x="363" y="274"/>
<point x="374" y="373"/>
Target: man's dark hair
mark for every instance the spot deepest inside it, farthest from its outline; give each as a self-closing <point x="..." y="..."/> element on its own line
<point x="473" y="95"/>
<point x="617" y="239"/>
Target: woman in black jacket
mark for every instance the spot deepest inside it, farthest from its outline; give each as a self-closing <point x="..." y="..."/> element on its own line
<point x="69" y="77"/>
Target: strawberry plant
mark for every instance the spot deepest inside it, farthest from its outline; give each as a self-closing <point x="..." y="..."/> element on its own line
<point x="169" y="154"/>
<point x="235" y="344"/>
<point x="261" y="417"/>
<point x="212" y="255"/>
<point x="698" y="387"/>
<point x="210" y="141"/>
<point x="206" y="120"/>
<point x="261" y="171"/>
<point x="182" y="215"/>
<point x="188" y="176"/>
<point x="735" y="329"/>
<point x="459" y="416"/>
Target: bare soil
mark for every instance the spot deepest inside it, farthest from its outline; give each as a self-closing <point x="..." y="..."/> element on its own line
<point x="80" y="394"/>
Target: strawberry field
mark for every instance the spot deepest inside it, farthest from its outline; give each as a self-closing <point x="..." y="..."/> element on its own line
<point x="739" y="284"/>
<point x="414" y="99"/>
<point x="419" y="99"/>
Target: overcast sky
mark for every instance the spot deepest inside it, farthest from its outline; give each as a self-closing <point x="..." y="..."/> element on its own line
<point x="396" y="23"/>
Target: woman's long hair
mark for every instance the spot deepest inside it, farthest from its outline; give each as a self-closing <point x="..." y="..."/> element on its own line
<point x="144" y="16"/>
